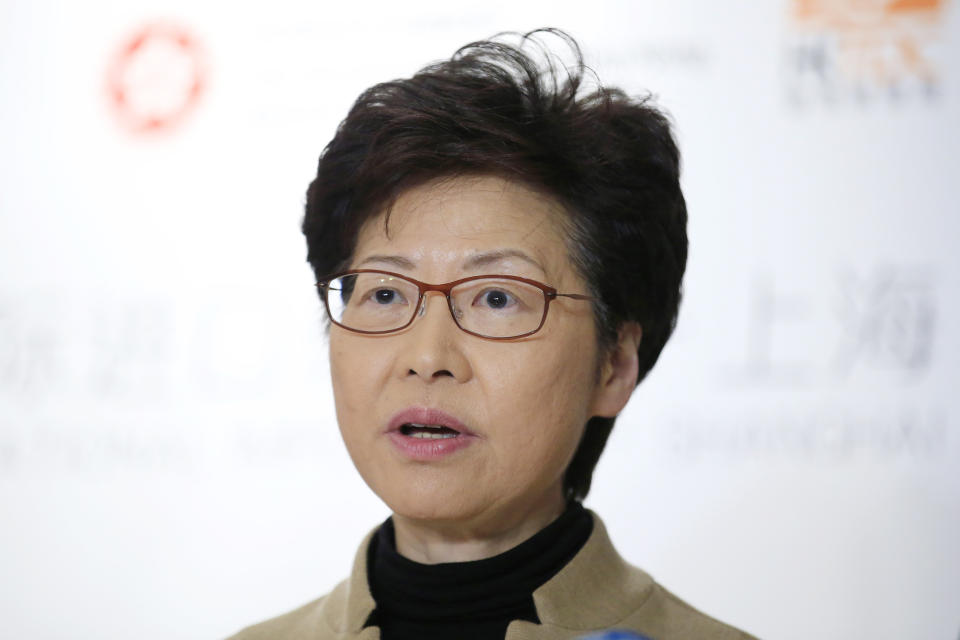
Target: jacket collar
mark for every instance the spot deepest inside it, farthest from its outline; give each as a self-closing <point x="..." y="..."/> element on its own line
<point x="349" y="605"/>
<point x="596" y="589"/>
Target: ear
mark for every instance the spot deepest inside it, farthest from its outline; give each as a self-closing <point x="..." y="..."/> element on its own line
<point x="618" y="373"/>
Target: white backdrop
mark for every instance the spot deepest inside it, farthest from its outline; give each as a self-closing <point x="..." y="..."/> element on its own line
<point x="169" y="462"/>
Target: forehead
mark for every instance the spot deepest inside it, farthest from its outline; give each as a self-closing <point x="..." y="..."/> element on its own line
<point x="453" y="218"/>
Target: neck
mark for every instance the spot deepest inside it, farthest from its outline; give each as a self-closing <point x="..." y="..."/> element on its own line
<point x="433" y="542"/>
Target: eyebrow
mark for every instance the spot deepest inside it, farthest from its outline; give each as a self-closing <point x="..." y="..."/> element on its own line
<point x="489" y="257"/>
<point x="396" y="261"/>
<point x="475" y="261"/>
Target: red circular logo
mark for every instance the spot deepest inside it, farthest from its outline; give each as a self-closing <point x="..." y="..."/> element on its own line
<point x="156" y="78"/>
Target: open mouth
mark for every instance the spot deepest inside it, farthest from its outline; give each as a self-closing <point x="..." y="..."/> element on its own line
<point x="427" y="431"/>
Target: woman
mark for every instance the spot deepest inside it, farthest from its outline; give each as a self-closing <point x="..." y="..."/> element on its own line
<point x="500" y="256"/>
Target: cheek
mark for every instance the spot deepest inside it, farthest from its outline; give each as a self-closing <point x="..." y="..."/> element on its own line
<point x="338" y="366"/>
<point x="355" y="371"/>
<point x="562" y="374"/>
<point x="542" y="397"/>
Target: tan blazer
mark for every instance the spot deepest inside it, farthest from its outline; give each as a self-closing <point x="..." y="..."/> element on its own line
<point x="597" y="590"/>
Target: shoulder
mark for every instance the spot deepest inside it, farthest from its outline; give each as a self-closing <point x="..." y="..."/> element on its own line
<point x="598" y="589"/>
<point x="302" y="622"/>
<point x="664" y="616"/>
<point x="340" y="614"/>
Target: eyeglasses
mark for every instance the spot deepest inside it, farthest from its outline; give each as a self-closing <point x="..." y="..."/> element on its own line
<point x="488" y="306"/>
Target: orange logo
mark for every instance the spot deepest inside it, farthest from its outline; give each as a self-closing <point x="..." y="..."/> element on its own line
<point x="156" y="78"/>
<point x="863" y="50"/>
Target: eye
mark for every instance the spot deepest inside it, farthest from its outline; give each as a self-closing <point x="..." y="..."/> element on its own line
<point x="495" y="299"/>
<point x="385" y="296"/>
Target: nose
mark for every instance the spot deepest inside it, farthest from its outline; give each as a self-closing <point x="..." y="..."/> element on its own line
<point x="433" y="344"/>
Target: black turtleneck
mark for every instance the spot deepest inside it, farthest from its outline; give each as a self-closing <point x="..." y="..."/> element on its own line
<point x="469" y="600"/>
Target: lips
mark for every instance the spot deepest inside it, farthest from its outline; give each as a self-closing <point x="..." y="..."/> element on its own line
<point x="423" y="420"/>
<point x="425" y="434"/>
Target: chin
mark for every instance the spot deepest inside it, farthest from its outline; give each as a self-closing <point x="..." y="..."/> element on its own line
<point x="432" y="499"/>
<point x="427" y="510"/>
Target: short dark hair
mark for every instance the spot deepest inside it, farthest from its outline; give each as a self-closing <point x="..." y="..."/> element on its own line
<point x="515" y="111"/>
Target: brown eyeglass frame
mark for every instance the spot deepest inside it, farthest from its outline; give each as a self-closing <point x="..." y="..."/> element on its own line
<point x="549" y="294"/>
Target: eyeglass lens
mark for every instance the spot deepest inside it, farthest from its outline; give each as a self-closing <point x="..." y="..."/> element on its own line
<point x="493" y="307"/>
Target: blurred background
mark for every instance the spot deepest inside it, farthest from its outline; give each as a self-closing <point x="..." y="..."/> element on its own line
<point x="170" y="465"/>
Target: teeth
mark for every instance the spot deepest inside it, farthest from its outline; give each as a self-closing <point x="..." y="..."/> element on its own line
<point x="428" y="431"/>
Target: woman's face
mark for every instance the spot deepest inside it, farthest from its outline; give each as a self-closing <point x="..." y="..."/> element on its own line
<point x="518" y="407"/>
